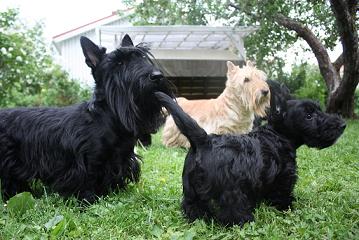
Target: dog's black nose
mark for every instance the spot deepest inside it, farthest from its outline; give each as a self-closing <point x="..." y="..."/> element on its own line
<point x="343" y="126"/>
<point x="265" y="92"/>
<point x="156" y="75"/>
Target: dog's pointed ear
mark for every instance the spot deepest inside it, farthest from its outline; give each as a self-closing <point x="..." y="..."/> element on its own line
<point x="93" y="53"/>
<point x="231" y="67"/>
<point x="126" y="41"/>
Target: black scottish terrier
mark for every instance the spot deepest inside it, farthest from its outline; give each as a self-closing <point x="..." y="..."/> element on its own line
<point x="226" y="176"/>
<point x="86" y="150"/>
<point x="281" y="93"/>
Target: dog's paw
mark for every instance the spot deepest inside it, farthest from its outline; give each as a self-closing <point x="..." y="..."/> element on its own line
<point x="87" y="197"/>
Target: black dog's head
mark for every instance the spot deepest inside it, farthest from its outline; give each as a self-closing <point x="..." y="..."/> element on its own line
<point x="126" y="80"/>
<point x="305" y="123"/>
<point x="278" y="102"/>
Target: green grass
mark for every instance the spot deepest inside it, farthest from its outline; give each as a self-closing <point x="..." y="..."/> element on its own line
<point x="327" y="205"/>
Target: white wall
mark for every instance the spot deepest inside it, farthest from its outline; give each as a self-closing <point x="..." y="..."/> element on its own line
<point x="72" y="58"/>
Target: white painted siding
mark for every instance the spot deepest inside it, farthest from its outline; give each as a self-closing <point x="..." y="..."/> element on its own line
<point x="71" y="56"/>
<point x="73" y="60"/>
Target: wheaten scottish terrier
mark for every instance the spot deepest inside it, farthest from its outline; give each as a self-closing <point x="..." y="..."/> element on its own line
<point x="246" y="94"/>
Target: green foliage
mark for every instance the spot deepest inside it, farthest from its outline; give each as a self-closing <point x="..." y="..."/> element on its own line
<point x="20" y="203"/>
<point x="326" y="205"/>
<point x="60" y="226"/>
<point x="271" y="38"/>
<point x="164" y="12"/>
<point x="313" y="85"/>
<point x="60" y="90"/>
<point x="28" y="75"/>
<point x="295" y="79"/>
<point x="305" y="81"/>
<point x="57" y="89"/>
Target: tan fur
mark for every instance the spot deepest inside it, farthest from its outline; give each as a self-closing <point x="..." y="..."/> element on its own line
<point x="231" y="112"/>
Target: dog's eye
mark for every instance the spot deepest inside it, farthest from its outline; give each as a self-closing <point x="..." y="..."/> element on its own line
<point x="119" y="63"/>
<point x="246" y="79"/>
<point x="309" y="117"/>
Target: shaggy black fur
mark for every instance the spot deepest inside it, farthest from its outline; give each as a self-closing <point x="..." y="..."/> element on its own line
<point x="86" y="149"/>
<point x="145" y="140"/>
<point x="226" y="176"/>
<point x="280" y="91"/>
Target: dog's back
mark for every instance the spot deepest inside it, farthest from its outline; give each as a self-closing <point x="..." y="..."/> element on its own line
<point x="205" y="111"/>
<point x="46" y="142"/>
<point x="187" y="126"/>
<point x="29" y="131"/>
<point x="208" y="113"/>
<point x="246" y="94"/>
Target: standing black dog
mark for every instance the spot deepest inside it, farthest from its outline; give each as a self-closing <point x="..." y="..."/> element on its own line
<point x="225" y="176"/>
<point x="86" y="149"/>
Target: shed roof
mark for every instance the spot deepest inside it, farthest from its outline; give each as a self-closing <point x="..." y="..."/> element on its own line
<point x="225" y="40"/>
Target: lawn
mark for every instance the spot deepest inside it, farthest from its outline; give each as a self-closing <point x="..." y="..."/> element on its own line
<point x="326" y="206"/>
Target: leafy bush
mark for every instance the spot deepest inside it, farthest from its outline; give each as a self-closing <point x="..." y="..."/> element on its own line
<point x="57" y="90"/>
<point x="305" y="81"/>
<point x="28" y="74"/>
<point x="313" y="85"/>
<point x="294" y="80"/>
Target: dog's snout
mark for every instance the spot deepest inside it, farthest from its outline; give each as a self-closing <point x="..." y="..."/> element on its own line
<point x="265" y="92"/>
<point x="156" y="75"/>
<point x="343" y="126"/>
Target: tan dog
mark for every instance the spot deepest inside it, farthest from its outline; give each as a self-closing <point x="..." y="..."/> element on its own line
<point x="245" y="95"/>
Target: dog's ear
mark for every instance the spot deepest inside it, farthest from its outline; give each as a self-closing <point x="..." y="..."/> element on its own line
<point x="93" y="53"/>
<point x="231" y="67"/>
<point x="126" y="41"/>
<point x="285" y="90"/>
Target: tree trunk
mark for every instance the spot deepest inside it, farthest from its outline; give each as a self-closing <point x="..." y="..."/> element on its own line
<point x="342" y="99"/>
<point x="326" y="67"/>
<point x="342" y="102"/>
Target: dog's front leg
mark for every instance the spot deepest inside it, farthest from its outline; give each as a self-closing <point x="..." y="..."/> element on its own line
<point x="281" y="195"/>
<point x="88" y="193"/>
<point x="235" y="207"/>
<point x="195" y="208"/>
<point x="87" y="196"/>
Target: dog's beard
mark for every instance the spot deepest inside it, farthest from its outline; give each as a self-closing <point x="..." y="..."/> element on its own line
<point x="328" y="141"/>
<point x="262" y="103"/>
<point x="135" y="105"/>
<point x="257" y="103"/>
<point x="330" y="138"/>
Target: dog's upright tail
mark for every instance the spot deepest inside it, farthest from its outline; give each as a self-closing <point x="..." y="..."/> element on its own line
<point x="187" y="126"/>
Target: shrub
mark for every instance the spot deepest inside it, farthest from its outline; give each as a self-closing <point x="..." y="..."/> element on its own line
<point x="305" y="81"/>
<point x="313" y="85"/>
<point x="28" y="74"/>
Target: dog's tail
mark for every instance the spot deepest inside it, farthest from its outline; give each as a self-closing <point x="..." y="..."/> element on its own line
<point x="187" y="126"/>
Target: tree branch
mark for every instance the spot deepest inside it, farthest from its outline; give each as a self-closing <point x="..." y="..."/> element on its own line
<point x="339" y="62"/>
<point x="236" y="7"/>
<point x="326" y="68"/>
<point x="349" y="39"/>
